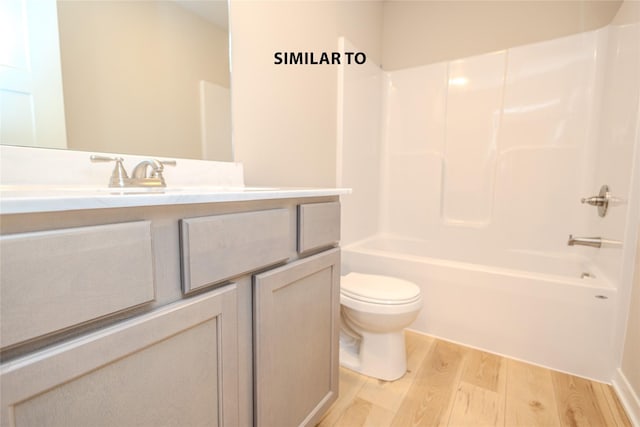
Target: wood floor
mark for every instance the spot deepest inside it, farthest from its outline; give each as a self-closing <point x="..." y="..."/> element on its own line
<point x="451" y="385"/>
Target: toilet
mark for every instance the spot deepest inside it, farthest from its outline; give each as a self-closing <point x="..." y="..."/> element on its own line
<point x="374" y="311"/>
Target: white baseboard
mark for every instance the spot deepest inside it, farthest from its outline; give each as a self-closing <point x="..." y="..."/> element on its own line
<point x="628" y="397"/>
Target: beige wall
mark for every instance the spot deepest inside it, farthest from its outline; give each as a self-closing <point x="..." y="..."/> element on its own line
<point x="131" y="73"/>
<point x="631" y="358"/>
<point x="284" y="116"/>
<point x="424" y="32"/>
<point x="629" y="13"/>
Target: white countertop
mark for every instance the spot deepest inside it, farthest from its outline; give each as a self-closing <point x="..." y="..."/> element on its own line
<point x="31" y="199"/>
<point x="24" y="190"/>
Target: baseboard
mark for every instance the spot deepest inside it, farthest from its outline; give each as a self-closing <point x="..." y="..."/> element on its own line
<point x="628" y="397"/>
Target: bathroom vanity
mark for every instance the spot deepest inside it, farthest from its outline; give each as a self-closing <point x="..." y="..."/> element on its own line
<point x="197" y="307"/>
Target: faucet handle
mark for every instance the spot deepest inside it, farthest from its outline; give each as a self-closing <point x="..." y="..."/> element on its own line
<point x="157" y="171"/>
<point x="119" y="177"/>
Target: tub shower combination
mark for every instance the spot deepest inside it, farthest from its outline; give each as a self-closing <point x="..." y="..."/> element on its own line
<point x="472" y="188"/>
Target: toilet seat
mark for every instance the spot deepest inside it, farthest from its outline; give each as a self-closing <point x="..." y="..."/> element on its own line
<point x="375" y="289"/>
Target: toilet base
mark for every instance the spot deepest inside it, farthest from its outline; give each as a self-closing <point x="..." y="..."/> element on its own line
<point x="381" y="356"/>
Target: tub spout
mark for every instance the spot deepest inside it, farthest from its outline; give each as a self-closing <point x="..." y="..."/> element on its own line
<point x="594" y="242"/>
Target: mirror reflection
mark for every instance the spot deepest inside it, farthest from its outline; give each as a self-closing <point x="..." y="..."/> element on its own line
<point x="138" y="77"/>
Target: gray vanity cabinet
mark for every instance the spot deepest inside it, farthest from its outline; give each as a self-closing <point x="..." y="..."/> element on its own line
<point x="296" y="326"/>
<point x="174" y="366"/>
<point x="211" y="314"/>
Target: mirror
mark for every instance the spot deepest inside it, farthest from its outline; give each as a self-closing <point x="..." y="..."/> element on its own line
<point x="138" y="77"/>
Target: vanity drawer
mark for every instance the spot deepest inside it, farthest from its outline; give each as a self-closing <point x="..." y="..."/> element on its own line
<point x="215" y="248"/>
<point x="52" y="280"/>
<point x="318" y="225"/>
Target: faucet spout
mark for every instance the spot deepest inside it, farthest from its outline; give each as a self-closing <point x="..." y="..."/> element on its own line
<point x="141" y="169"/>
<point x="594" y="242"/>
<point x="148" y="173"/>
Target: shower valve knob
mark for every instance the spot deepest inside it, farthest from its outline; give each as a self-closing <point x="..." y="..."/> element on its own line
<point x="594" y="201"/>
<point x="601" y="200"/>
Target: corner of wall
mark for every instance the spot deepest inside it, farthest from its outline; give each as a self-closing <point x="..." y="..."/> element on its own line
<point x="629" y="399"/>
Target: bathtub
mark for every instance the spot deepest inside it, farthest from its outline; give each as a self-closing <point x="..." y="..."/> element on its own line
<point x="524" y="305"/>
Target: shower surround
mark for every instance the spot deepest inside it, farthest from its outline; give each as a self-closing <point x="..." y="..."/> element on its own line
<point x="472" y="184"/>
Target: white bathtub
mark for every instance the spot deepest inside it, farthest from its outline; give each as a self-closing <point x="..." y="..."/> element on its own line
<point x="523" y="305"/>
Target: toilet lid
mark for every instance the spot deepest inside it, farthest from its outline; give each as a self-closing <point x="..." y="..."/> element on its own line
<point x="379" y="289"/>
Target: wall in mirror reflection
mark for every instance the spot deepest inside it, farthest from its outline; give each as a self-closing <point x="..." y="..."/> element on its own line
<point x="144" y="77"/>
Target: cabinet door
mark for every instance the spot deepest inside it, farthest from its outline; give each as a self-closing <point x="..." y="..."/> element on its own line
<point x="175" y="366"/>
<point x="296" y="330"/>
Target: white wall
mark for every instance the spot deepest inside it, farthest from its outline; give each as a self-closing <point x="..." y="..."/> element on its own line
<point x="285" y="116"/>
<point x="425" y="32"/>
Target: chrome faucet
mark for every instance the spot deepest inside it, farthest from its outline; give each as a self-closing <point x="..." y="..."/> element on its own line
<point x="147" y="173"/>
<point x="594" y="242"/>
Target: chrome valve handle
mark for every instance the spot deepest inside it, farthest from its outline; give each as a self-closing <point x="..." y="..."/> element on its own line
<point x="601" y="201"/>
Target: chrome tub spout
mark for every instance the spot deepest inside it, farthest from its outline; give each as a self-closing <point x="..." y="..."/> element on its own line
<point x="594" y="242"/>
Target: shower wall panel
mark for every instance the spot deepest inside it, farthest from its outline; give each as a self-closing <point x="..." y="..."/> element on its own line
<point x="493" y="144"/>
<point x="617" y="135"/>
<point x="359" y="147"/>
<point x="416" y="109"/>
<point x="474" y="102"/>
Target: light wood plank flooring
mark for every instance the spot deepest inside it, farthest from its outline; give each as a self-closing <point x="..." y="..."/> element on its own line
<point x="451" y="385"/>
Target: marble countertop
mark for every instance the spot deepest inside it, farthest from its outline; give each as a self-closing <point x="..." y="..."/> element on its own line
<point x="16" y="199"/>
